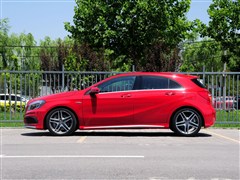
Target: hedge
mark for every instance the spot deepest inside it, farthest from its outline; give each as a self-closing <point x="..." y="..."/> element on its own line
<point x="14" y="107"/>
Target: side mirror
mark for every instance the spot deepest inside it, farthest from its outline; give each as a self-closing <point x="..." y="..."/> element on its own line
<point x="94" y="90"/>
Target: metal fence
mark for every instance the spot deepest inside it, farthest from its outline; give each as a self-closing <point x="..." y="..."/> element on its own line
<point x="17" y="87"/>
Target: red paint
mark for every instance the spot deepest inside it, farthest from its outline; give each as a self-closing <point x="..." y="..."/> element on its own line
<point x="135" y="108"/>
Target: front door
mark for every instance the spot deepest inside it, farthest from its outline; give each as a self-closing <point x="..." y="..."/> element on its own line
<point x="112" y="107"/>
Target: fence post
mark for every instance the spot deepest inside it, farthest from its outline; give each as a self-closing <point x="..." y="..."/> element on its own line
<point x="5" y="92"/>
<point x="204" y="74"/>
<point x="224" y="86"/>
<point x="133" y="68"/>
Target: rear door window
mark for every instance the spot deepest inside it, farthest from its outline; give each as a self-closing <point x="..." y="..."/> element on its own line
<point x="157" y="82"/>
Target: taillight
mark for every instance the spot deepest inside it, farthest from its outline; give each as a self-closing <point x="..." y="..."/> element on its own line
<point x="210" y="97"/>
<point x="206" y="95"/>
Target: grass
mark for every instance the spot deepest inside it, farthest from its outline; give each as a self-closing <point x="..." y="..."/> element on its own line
<point x="225" y="116"/>
<point x="229" y="126"/>
<point x="17" y="116"/>
<point x="225" y="119"/>
<point x="12" y="124"/>
<point x="15" y="119"/>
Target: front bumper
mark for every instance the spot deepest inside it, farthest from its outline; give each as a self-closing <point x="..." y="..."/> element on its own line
<point x="34" y="119"/>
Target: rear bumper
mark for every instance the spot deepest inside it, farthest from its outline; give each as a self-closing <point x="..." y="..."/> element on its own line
<point x="210" y="117"/>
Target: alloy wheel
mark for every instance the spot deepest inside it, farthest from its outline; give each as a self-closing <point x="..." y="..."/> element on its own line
<point x="61" y="122"/>
<point x="187" y="122"/>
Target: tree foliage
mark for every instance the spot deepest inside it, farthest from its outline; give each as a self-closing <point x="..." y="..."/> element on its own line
<point x="4" y="28"/>
<point x="224" y="26"/>
<point x="113" y="35"/>
<point x="206" y="54"/>
<point x="196" y="55"/>
<point x="16" y="52"/>
<point x="127" y="31"/>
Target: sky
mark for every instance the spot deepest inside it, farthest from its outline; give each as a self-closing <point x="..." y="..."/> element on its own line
<point x="46" y="17"/>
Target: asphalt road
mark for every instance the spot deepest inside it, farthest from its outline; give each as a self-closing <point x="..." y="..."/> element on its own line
<point x="120" y="154"/>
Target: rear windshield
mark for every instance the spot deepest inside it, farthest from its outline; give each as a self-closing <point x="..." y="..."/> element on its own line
<point x="198" y="83"/>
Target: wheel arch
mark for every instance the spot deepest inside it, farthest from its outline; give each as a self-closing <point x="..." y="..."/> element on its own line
<point x="176" y="110"/>
<point x="45" y="118"/>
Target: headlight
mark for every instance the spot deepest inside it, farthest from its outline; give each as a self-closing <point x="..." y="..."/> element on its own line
<point x="36" y="104"/>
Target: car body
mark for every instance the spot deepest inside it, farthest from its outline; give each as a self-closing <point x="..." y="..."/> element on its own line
<point x="130" y="100"/>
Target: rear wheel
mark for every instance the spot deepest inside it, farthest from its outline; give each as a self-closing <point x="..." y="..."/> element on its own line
<point x="186" y="122"/>
<point x="61" y="122"/>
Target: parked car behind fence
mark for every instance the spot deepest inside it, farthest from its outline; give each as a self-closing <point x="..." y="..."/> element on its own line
<point x="229" y="101"/>
<point x="13" y="102"/>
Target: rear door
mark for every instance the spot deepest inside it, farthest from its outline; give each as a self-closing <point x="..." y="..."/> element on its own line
<point x="155" y="100"/>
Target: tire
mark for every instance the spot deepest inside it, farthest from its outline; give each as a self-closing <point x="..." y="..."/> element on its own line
<point x="186" y="122"/>
<point x="61" y="122"/>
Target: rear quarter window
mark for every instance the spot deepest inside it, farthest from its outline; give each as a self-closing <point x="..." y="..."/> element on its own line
<point x="198" y="83"/>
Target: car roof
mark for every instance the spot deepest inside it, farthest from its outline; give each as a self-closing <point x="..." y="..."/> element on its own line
<point x="10" y="95"/>
<point x="164" y="74"/>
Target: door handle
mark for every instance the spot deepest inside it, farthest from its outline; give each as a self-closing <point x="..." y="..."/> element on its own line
<point x="126" y="95"/>
<point x="170" y="93"/>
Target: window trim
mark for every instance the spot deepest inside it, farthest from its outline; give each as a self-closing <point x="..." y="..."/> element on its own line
<point x="141" y="90"/>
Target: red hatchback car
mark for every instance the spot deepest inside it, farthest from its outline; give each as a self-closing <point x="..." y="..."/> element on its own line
<point x="131" y="100"/>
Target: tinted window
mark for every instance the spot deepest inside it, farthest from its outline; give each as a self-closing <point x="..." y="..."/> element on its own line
<point x="3" y="97"/>
<point x="13" y="98"/>
<point x="154" y="82"/>
<point x="16" y="98"/>
<point x="118" y="84"/>
<point x="174" y="85"/>
<point x="150" y="82"/>
<point x="198" y="83"/>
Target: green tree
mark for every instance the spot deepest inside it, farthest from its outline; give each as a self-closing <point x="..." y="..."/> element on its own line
<point x="127" y="31"/>
<point x="17" y="52"/>
<point x="22" y="48"/>
<point x="4" y="28"/>
<point x="224" y="27"/>
<point x="49" y="55"/>
<point x="205" y="53"/>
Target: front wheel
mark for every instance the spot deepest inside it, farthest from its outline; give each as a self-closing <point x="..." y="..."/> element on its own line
<point x="61" y="122"/>
<point x="187" y="122"/>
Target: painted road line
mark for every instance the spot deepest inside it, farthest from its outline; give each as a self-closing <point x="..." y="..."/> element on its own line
<point x="82" y="139"/>
<point x="70" y="156"/>
<point x="224" y="137"/>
